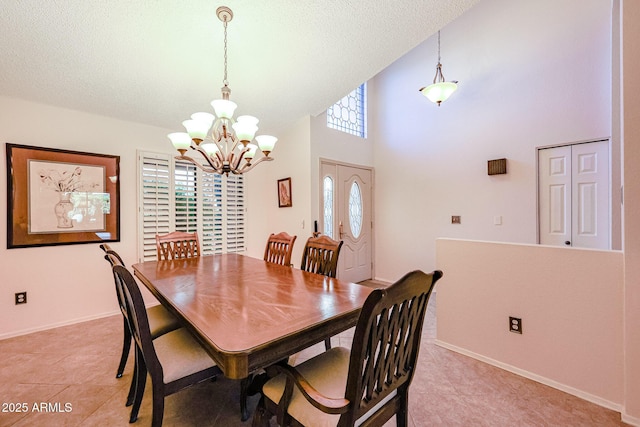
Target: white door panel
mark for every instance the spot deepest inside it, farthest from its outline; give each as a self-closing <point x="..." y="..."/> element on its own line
<point x="354" y="222"/>
<point x="574" y="195"/>
<point x="591" y="199"/>
<point x="351" y="218"/>
<point x="555" y="191"/>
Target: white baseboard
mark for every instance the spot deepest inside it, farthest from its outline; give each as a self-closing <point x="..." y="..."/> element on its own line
<point x="538" y="378"/>
<point x="634" y="421"/>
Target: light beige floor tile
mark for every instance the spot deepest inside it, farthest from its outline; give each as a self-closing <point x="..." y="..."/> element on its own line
<point x="77" y="364"/>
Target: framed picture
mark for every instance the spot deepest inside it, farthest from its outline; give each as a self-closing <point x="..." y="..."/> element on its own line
<point x="61" y="197"/>
<point x="284" y="193"/>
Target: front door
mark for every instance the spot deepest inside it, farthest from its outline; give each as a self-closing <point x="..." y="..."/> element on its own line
<point x="346" y="209"/>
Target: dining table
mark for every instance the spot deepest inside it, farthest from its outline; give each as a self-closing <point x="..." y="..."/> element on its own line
<point x="248" y="313"/>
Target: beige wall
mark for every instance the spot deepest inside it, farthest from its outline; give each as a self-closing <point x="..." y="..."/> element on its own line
<point x="291" y="155"/>
<point x="570" y="302"/>
<point x="520" y="87"/>
<point x="630" y="36"/>
<point x="66" y="284"/>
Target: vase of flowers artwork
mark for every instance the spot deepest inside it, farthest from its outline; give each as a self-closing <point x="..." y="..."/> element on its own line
<point x="65" y="183"/>
<point x="62" y="210"/>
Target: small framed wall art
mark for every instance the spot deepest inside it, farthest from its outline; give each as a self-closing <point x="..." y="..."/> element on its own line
<point x="284" y="193"/>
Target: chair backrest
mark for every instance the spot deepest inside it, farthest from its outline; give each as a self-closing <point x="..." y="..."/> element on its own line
<point x="177" y="245"/>
<point x="114" y="259"/>
<point x="386" y="343"/>
<point x="136" y="314"/>
<point x="320" y="255"/>
<point x="111" y="255"/>
<point x="279" y="248"/>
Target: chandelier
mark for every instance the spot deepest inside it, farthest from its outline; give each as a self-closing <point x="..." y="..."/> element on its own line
<point x="224" y="143"/>
<point x="440" y="90"/>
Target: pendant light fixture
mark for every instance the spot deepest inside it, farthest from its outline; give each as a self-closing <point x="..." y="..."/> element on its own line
<point x="440" y="90"/>
<point x="225" y="144"/>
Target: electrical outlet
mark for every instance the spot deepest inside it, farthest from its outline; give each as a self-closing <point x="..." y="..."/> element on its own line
<point x="455" y="219"/>
<point x="515" y="325"/>
<point x="21" y="297"/>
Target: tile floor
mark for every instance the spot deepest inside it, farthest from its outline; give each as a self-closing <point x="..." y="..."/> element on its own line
<point x="75" y="366"/>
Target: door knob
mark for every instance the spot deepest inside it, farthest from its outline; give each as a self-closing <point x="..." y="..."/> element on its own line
<point x="340" y="229"/>
<point x="568" y="243"/>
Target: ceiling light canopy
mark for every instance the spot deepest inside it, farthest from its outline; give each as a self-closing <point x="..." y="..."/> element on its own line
<point x="440" y="90"/>
<point x="225" y="144"/>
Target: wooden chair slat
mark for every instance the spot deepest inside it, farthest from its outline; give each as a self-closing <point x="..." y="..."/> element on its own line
<point x="279" y="248"/>
<point x="321" y="255"/>
<point x="177" y="245"/>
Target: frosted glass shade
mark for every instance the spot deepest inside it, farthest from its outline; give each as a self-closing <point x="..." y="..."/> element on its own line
<point x="180" y="140"/>
<point x="224" y="108"/>
<point x="204" y="117"/>
<point x="439" y="92"/>
<point x="210" y="148"/>
<point x="266" y="143"/>
<point x="248" y="119"/>
<point x="245" y="127"/>
<point x="197" y="129"/>
<point x="252" y="151"/>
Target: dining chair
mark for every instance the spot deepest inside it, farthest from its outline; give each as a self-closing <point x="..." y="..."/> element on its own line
<point x="161" y="321"/>
<point x="320" y="256"/>
<point x="177" y="244"/>
<point x="339" y="387"/>
<point x="174" y="361"/>
<point x="279" y="248"/>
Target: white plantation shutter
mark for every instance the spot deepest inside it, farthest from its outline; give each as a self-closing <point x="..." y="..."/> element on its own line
<point x="186" y="198"/>
<point x="212" y="214"/>
<point x="235" y="213"/>
<point x="177" y="196"/>
<point x="154" y="202"/>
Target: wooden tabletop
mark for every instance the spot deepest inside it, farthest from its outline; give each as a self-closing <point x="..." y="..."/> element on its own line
<point x="249" y="313"/>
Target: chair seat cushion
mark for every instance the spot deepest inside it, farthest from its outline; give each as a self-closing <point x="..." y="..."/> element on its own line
<point x="327" y="373"/>
<point x="161" y="321"/>
<point x="180" y="355"/>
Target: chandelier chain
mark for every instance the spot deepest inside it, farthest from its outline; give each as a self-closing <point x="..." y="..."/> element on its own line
<point x="438" y="46"/>
<point x="225" y="81"/>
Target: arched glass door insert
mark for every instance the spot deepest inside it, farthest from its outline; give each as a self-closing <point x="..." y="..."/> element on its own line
<point x="328" y="206"/>
<point x="355" y="210"/>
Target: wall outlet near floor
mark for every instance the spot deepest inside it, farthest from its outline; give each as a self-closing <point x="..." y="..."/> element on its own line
<point x="455" y="219"/>
<point x="21" y="297"/>
<point x="515" y="325"/>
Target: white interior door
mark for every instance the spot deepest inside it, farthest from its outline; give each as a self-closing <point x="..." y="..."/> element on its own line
<point x="574" y="195"/>
<point x="347" y="215"/>
<point x="554" y="175"/>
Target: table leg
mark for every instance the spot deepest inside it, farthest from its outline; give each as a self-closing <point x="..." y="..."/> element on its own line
<point x="250" y="386"/>
<point x="244" y="387"/>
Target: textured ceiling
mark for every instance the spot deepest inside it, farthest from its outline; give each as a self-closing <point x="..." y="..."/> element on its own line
<point x="158" y="61"/>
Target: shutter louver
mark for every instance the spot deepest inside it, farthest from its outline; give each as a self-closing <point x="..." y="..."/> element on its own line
<point x="235" y="213"/>
<point x="186" y="200"/>
<point x="212" y="214"/>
